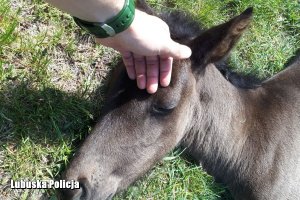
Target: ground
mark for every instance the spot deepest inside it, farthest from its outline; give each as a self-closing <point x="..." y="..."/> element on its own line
<point x="52" y="86"/>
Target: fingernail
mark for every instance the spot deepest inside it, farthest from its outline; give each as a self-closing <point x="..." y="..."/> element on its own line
<point x="152" y="88"/>
<point x="165" y="82"/>
<point x="185" y="51"/>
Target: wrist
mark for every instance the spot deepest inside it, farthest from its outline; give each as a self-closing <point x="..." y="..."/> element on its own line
<point x="112" y="26"/>
<point x="135" y="23"/>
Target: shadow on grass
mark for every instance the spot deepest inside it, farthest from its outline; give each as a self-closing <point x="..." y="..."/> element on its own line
<point x="40" y="130"/>
<point x="42" y="114"/>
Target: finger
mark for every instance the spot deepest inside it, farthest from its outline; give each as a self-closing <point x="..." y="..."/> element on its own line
<point x="165" y="71"/>
<point x="129" y="64"/>
<point x="152" y="63"/>
<point x="140" y="70"/>
<point x="175" y="50"/>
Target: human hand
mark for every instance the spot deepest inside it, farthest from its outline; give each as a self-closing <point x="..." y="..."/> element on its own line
<point x="147" y="51"/>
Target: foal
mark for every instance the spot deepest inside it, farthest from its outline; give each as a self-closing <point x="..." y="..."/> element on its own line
<point x="246" y="136"/>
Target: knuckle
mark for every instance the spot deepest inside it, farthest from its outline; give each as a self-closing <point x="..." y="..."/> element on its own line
<point x="152" y="64"/>
<point x="139" y="60"/>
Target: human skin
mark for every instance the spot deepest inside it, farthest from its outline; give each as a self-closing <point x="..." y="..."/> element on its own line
<point x="146" y="46"/>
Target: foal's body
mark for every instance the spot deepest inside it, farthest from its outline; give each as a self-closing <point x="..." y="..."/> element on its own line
<point x="251" y="142"/>
<point x="249" y="139"/>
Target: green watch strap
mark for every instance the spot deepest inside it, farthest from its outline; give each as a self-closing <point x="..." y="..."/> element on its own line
<point x="112" y="26"/>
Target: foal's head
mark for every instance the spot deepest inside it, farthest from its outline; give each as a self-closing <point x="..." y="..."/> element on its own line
<point x="137" y="129"/>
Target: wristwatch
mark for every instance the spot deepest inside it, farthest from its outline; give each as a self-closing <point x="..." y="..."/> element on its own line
<point x="112" y="26"/>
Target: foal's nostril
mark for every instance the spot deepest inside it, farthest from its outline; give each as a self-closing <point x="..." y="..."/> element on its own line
<point x="83" y="193"/>
<point x="85" y="188"/>
<point x="68" y="194"/>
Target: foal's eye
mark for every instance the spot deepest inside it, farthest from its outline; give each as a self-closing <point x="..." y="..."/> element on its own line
<point x="162" y="109"/>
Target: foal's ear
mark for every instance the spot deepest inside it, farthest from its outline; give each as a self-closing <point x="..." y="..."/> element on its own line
<point x="215" y="43"/>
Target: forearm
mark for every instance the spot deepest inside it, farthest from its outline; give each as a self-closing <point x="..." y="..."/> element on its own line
<point x="89" y="10"/>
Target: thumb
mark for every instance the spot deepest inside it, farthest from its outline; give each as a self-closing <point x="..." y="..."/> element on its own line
<point x="176" y="50"/>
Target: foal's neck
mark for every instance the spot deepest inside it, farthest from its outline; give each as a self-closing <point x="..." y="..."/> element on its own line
<point x="216" y="139"/>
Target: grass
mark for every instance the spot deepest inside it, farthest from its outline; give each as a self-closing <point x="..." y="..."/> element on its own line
<point x="51" y="74"/>
<point x="174" y="178"/>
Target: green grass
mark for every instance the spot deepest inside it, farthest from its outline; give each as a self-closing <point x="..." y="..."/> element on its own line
<point x="51" y="72"/>
<point x="174" y="178"/>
